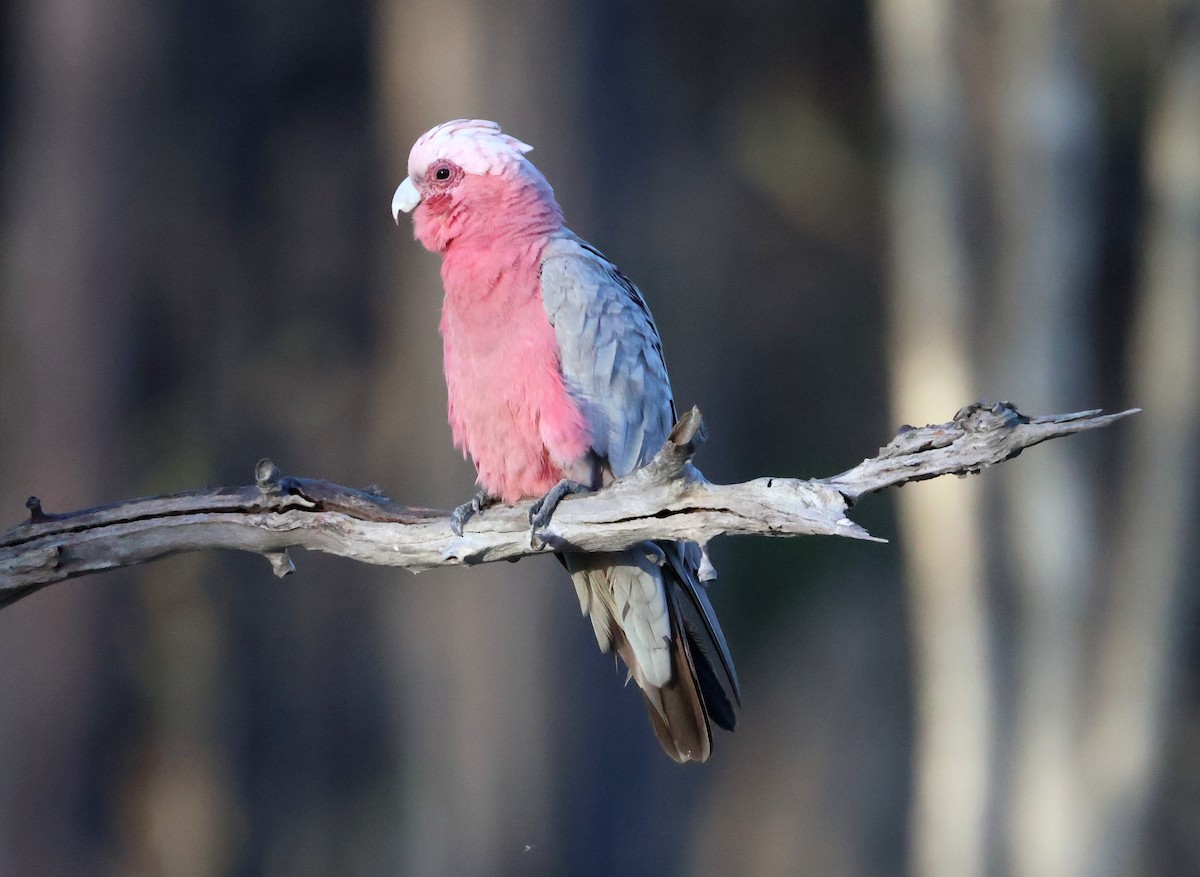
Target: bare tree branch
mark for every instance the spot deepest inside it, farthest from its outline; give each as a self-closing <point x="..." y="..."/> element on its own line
<point x="667" y="499"/>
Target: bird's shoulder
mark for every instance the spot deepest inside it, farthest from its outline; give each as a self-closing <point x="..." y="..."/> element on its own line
<point x="577" y="279"/>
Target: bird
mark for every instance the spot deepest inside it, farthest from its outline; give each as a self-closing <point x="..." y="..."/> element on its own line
<point x="557" y="385"/>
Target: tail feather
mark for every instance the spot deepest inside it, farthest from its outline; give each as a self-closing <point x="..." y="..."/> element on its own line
<point x="716" y="679"/>
<point x="628" y="595"/>
<point x="682" y="724"/>
<point x="701" y="619"/>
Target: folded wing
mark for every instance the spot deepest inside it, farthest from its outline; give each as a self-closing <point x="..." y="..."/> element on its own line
<point x="645" y="603"/>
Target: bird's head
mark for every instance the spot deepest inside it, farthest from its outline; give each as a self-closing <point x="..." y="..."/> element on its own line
<point x="467" y="176"/>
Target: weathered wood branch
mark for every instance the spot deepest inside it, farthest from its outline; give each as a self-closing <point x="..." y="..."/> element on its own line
<point x="667" y="499"/>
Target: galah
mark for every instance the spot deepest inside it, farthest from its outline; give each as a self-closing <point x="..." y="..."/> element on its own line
<point x="557" y="385"/>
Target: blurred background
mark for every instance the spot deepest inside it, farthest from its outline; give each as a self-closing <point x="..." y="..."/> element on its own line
<point x="845" y="215"/>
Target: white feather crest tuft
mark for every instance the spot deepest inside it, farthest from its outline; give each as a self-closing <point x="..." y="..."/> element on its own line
<point x="476" y="145"/>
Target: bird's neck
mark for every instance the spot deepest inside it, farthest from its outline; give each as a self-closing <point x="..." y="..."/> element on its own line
<point x="488" y="279"/>
<point x="493" y="257"/>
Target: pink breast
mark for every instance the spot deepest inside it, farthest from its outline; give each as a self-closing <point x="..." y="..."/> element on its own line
<point x="509" y="409"/>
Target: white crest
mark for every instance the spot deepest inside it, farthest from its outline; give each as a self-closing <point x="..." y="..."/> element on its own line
<point x="476" y="145"/>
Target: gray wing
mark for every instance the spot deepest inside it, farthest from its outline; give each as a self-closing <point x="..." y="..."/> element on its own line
<point x="612" y="358"/>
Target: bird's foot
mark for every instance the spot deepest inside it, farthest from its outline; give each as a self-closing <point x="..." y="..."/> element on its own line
<point x="468" y="510"/>
<point x="543" y="509"/>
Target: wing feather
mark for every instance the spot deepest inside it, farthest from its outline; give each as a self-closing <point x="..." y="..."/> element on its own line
<point x="611" y="355"/>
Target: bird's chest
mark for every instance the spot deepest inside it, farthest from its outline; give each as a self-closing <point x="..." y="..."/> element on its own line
<point x="503" y="378"/>
<point x="496" y="359"/>
<point x="498" y="342"/>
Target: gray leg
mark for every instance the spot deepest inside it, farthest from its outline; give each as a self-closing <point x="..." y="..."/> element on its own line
<point x="468" y="510"/>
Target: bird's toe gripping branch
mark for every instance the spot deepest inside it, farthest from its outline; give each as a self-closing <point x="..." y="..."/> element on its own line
<point x="542" y="511"/>
<point x="474" y="506"/>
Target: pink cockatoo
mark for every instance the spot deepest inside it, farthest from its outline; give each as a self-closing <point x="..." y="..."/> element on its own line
<point x="557" y="385"/>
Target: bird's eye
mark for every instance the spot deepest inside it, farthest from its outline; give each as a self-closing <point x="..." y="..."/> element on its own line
<point x="442" y="173"/>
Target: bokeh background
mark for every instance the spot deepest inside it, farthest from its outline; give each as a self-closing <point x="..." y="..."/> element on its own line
<point x="845" y="215"/>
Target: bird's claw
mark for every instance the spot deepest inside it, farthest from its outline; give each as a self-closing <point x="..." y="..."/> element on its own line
<point x="542" y="510"/>
<point x="468" y="510"/>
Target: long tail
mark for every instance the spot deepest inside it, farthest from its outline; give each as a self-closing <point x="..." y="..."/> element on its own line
<point x="647" y="605"/>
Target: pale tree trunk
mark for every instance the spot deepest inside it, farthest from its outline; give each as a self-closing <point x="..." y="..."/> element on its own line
<point x="1043" y="162"/>
<point x="477" y="760"/>
<point x="65" y="276"/>
<point x="1154" y="553"/>
<point x="930" y="294"/>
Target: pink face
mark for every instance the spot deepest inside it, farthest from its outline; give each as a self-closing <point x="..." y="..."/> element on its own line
<point x="444" y="155"/>
<point x="460" y="174"/>
<point x="446" y="199"/>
